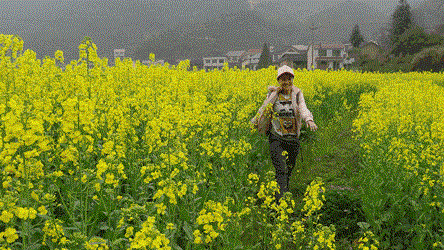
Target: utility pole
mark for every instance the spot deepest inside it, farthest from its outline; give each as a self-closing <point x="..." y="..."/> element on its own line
<point x="312" y="27"/>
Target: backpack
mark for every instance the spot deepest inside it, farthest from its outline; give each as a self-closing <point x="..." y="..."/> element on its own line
<point x="262" y="120"/>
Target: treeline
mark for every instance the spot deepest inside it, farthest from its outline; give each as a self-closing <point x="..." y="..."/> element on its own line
<point x="411" y="47"/>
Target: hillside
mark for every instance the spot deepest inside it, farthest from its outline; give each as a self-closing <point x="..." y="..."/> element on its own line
<point x="177" y="29"/>
<point x="288" y="11"/>
<point x="241" y="30"/>
<point x="269" y="22"/>
<point x="47" y="26"/>
<point x="336" y="23"/>
<point x="429" y="14"/>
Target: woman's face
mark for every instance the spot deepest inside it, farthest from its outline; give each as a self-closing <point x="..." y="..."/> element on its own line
<point x="286" y="82"/>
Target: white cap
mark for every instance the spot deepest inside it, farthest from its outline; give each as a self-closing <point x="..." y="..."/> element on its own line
<point x="284" y="69"/>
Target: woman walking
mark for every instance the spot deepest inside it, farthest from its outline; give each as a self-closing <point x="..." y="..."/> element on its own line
<point x="280" y="118"/>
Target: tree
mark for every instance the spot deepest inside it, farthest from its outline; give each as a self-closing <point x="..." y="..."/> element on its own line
<point x="264" y="59"/>
<point x="414" y="40"/>
<point x="401" y="20"/>
<point x="356" y="38"/>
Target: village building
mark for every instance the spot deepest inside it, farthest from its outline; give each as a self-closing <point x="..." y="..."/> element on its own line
<point x="214" y="61"/>
<point x="250" y="59"/>
<point x="294" y="56"/>
<point x="328" y="56"/>
<point x="234" y="58"/>
<point x="155" y="62"/>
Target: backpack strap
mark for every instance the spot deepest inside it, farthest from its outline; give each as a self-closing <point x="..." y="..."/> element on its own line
<point x="297" y="95"/>
<point x="297" y="98"/>
<point x="299" y="142"/>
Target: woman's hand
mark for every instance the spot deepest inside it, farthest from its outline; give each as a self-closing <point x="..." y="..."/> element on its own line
<point x="274" y="88"/>
<point x="310" y="124"/>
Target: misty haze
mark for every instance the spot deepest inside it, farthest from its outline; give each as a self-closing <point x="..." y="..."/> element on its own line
<point x="221" y="124"/>
<point x="177" y="29"/>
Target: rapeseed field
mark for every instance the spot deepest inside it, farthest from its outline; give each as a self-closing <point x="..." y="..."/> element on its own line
<point x="160" y="157"/>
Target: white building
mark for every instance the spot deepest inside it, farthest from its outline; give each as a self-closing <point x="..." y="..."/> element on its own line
<point x="327" y="56"/>
<point x="250" y="58"/>
<point x="149" y="62"/>
<point x="119" y="53"/>
<point x="213" y="62"/>
<point x="251" y="61"/>
<point x="234" y="56"/>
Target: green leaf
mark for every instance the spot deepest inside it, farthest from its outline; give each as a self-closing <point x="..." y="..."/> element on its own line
<point x="188" y="230"/>
<point x="119" y="241"/>
<point x="175" y="246"/>
<point x="363" y="225"/>
<point x="386" y="216"/>
<point x="404" y="228"/>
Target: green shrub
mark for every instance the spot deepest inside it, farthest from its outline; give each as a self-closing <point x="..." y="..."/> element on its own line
<point x="430" y="59"/>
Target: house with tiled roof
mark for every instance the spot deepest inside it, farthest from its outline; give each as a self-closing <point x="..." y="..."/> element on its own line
<point x="294" y="56"/>
<point x="328" y="56"/>
<point x="234" y="57"/>
<point x="250" y="59"/>
<point x="253" y="51"/>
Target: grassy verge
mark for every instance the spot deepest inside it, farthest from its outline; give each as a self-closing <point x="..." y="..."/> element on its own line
<point x="332" y="153"/>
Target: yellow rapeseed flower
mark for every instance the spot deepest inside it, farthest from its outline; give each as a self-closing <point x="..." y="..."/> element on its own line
<point x="10" y="234"/>
<point x="6" y="216"/>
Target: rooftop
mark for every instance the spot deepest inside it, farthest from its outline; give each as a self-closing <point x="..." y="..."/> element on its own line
<point x="300" y="47"/>
<point x="329" y="46"/>
<point x="254" y="51"/>
<point x="235" y="53"/>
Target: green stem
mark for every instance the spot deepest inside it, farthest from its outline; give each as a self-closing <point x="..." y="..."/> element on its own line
<point x="84" y="213"/>
<point x="25" y="235"/>
<point x="66" y="207"/>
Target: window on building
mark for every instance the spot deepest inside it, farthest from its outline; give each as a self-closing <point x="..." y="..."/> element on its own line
<point x="336" y="52"/>
<point x="322" y="52"/>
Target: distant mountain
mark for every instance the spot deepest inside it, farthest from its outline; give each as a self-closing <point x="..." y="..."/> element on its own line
<point x="268" y="22"/>
<point x="236" y="31"/>
<point x="429" y="14"/>
<point x="302" y="9"/>
<point x="336" y="23"/>
<point x="47" y="26"/>
<point x="192" y="27"/>
<point x="288" y="11"/>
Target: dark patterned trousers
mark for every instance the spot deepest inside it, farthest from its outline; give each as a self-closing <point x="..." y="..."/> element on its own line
<point x="283" y="162"/>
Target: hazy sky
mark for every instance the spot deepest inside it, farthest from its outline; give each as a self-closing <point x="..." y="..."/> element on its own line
<point x="379" y="2"/>
<point x="390" y="3"/>
<point x="315" y="5"/>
